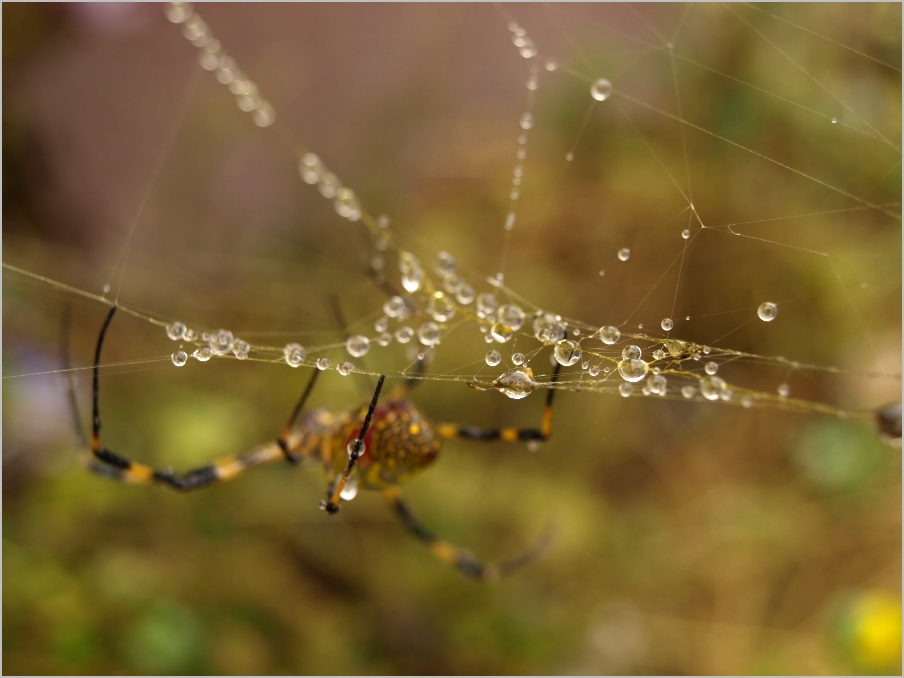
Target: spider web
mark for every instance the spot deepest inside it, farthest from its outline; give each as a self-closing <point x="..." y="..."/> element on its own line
<point x="745" y="164"/>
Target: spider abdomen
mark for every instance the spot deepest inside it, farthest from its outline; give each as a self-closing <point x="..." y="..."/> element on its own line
<point x="400" y="442"/>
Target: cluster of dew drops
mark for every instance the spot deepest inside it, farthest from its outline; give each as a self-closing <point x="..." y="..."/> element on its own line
<point x="423" y="315"/>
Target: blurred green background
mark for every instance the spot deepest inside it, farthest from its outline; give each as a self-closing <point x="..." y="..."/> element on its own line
<point x="691" y="538"/>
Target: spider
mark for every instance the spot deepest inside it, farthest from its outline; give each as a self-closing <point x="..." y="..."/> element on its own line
<point x="387" y="444"/>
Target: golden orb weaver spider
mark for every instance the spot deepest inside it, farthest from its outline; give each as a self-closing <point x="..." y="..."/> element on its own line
<point x="388" y="444"/>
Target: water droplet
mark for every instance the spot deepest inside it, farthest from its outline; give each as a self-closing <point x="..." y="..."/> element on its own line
<point x="464" y="294"/>
<point x="412" y="280"/>
<point x="323" y="363"/>
<point x="551" y="65"/>
<point x="784" y="390"/>
<point x="311" y="168"/>
<point x="509" y="221"/>
<point x="350" y="491"/>
<point x="221" y="342"/>
<point x="179" y="358"/>
<point x="657" y="384"/>
<point x="601" y="89"/>
<point x="528" y="50"/>
<point x="440" y="309"/>
<point x="549" y="328"/>
<point x="446" y="264"/>
<point x="329" y="185"/>
<point x="767" y="311"/>
<point x="534" y="445"/>
<point x="667" y="324"/>
<point x="500" y="333"/>
<point x="688" y="391"/>
<point x="686" y="233"/>
<point x="240" y="349"/>
<point x="394" y="307"/>
<point x="834" y="121"/>
<point x="512" y="316"/>
<point x="293" y="354"/>
<point x="746" y="401"/>
<point x="712" y="388"/>
<point x="345" y="368"/>
<point x="357" y="345"/>
<point x="178" y="12"/>
<point x="493" y="358"/>
<point x="517" y="383"/>
<point x="486" y="304"/>
<point x="624" y="254"/>
<point x="593" y="370"/>
<point x="569" y="156"/>
<point x="567" y="352"/>
<point x="633" y="369"/>
<point x="711" y="367"/>
<point x="346" y="204"/>
<point x="625" y="389"/>
<point x="631" y="352"/>
<point x="263" y="114"/>
<point x="533" y="82"/>
<point x="526" y="121"/>
<point x="609" y="334"/>
<point x="106" y="288"/>
<point x="381" y="324"/>
<point x="602" y="272"/>
<point x="352" y="444"/>
<point x="202" y="355"/>
<point x="175" y="331"/>
<point x="404" y="334"/>
<point x="429" y="333"/>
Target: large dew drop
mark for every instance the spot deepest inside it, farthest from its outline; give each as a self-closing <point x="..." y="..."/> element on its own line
<point x="517" y="383"/>
<point x="567" y="352"/>
<point x="767" y="311"/>
<point x="601" y="89"/>
<point x="429" y="333"/>
<point x="179" y="358"/>
<point x="549" y="328"/>
<point x="293" y="354"/>
<point x="493" y="358"/>
<point x="175" y="330"/>
<point x="633" y="369"/>
<point x="609" y="334"/>
<point x="712" y="388"/>
<point x="357" y="345"/>
<point x="511" y="316"/>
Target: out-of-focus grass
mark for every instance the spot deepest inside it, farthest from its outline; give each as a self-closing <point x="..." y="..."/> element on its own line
<point x="690" y="538"/>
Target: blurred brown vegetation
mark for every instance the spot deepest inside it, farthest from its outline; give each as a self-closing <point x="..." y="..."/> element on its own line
<point x="691" y="538"/>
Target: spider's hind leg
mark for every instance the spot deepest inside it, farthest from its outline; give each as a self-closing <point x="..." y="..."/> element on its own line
<point x="463" y="561"/>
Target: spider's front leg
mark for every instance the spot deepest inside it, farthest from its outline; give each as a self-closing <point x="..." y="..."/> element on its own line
<point x="108" y="463"/>
<point x="331" y="504"/>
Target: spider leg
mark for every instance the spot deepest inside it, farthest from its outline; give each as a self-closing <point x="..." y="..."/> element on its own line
<point x="283" y="440"/>
<point x="112" y="465"/>
<point x="510" y="433"/>
<point x="463" y="561"/>
<point x="334" y="496"/>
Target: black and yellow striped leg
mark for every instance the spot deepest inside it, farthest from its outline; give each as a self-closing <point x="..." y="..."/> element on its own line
<point x="509" y="434"/>
<point x="334" y="494"/>
<point x="463" y="561"/>
<point x="108" y="463"/>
